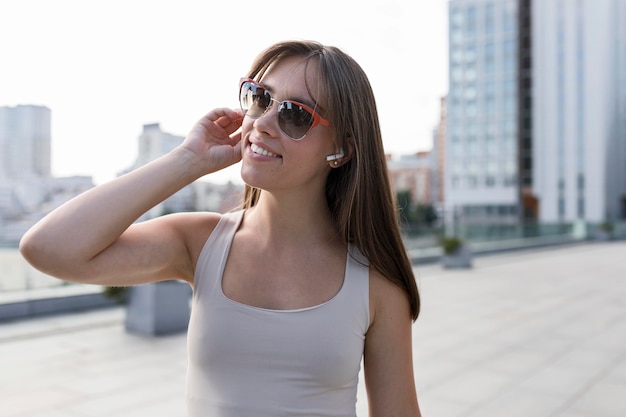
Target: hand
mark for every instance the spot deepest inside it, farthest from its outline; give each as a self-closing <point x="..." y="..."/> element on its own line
<point x="214" y="139"/>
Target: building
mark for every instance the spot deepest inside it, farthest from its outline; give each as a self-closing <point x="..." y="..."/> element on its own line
<point x="25" y="142"/>
<point x="27" y="189"/>
<point x="412" y="173"/>
<point x="528" y="201"/>
<point x="536" y="120"/>
<point x="438" y="159"/>
<point x="579" y="110"/>
<point x="481" y="172"/>
<point x="153" y="143"/>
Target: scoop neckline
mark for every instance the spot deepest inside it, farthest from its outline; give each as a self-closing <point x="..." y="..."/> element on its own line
<point x="271" y="310"/>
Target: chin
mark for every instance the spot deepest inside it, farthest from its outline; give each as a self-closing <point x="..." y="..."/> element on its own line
<point x="254" y="178"/>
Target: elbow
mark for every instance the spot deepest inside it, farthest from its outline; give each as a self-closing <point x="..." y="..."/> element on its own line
<point x="53" y="257"/>
<point x="36" y="252"/>
<point x="29" y="249"/>
<point x="42" y="254"/>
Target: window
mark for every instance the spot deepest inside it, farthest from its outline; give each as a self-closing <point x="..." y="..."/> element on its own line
<point x="510" y="87"/>
<point x="473" y="149"/>
<point x="510" y="105"/>
<point x="470" y="92"/>
<point x="457" y="148"/>
<point x="456" y="73"/>
<point x="490" y="57"/>
<point x="470" y="54"/>
<point x="470" y="72"/>
<point x="489" y="19"/>
<point x="490" y="105"/>
<point x="456" y="18"/>
<point x="471" y="108"/>
<point x="510" y="18"/>
<point x="471" y="25"/>
<point x="509" y="167"/>
<point x="510" y="126"/>
<point x="456" y="56"/>
<point x="491" y="145"/>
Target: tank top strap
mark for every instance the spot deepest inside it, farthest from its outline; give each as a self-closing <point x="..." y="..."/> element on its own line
<point x="354" y="295"/>
<point x="215" y="251"/>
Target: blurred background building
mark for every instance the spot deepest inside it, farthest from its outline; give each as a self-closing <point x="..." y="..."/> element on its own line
<point x="27" y="188"/>
<point x="579" y="110"/>
<point x="28" y="191"/>
<point x="481" y="179"/>
<point x="531" y="133"/>
<point x="536" y="112"/>
<point x="153" y="143"/>
<point x="25" y="142"/>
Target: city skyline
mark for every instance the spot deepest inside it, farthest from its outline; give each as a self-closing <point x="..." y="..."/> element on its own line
<point x="107" y="69"/>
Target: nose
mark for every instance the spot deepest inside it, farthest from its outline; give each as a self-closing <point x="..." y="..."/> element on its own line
<point x="268" y="121"/>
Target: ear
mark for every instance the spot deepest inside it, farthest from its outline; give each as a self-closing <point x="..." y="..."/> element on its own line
<point x="343" y="155"/>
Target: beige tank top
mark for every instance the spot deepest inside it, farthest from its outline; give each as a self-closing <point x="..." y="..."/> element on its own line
<point x="246" y="361"/>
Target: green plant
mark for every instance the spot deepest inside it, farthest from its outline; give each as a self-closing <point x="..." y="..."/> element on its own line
<point x="116" y="293"/>
<point x="450" y="244"/>
<point x="606" y="227"/>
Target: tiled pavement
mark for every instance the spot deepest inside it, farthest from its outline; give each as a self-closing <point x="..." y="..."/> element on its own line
<point x="536" y="334"/>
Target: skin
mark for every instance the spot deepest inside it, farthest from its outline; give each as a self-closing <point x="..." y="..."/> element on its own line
<point x="289" y="233"/>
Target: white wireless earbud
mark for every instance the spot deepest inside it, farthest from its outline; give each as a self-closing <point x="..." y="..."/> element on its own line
<point x="335" y="156"/>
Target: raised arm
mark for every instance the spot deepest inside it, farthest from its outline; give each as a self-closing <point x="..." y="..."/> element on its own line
<point x="92" y="237"/>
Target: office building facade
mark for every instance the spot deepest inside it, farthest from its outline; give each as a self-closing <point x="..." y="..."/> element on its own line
<point x="481" y="176"/>
<point x="153" y="143"/>
<point x="579" y="110"/>
<point x="25" y="142"/>
<point x="536" y="117"/>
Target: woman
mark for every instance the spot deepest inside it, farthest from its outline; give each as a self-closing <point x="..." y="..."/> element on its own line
<point x="294" y="289"/>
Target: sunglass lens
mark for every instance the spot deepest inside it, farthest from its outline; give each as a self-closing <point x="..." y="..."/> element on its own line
<point x="294" y="119"/>
<point x="254" y="99"/>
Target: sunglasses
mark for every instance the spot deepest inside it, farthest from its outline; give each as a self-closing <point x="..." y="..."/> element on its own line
<point x="294" y="119"/>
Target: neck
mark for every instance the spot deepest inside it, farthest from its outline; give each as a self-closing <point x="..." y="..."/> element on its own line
<point x="292" y="219"/>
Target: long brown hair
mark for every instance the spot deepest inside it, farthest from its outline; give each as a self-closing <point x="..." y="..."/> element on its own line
<point x="358" y="192"/>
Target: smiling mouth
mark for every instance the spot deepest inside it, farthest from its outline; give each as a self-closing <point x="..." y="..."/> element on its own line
<point x="260" y="151"/>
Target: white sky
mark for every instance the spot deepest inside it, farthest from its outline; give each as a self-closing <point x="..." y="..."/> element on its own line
<point x="106" y="68"/>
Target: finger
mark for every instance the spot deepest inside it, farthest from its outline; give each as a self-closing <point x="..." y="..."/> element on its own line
<point x="222" y="127"/>
<point x="230" y="124"/>
<point x="220" y="112"/>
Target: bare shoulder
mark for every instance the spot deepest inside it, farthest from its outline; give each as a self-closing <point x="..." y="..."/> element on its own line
<point x="387" y="300"/>
<point x="194" y="228"/>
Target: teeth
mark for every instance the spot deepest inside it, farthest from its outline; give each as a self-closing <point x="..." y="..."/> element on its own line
<point x="261" y="151"/>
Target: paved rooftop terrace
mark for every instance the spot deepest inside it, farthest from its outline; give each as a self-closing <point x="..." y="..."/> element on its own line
<point x="538" y="333"/>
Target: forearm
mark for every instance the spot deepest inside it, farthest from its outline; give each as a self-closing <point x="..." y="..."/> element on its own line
<point x="86" y="225"/>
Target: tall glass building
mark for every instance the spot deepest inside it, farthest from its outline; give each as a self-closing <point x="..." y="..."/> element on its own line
<point x="25" y="142"/>
<point x="579" y="110"/>
<point x="536" y="118"/>
<point x="482" y="175"/>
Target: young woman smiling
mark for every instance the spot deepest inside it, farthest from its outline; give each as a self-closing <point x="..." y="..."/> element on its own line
<point x="298" y="287"/>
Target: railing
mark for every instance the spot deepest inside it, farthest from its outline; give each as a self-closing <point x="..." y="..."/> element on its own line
<point x="27" y="292"/>
<point x="19" y="280"/>
<point x="17" y="275"/>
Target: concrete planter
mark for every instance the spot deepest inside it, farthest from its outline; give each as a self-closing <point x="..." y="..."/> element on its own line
<point x="460" y="258"/>
<point x="158" y="309"/>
